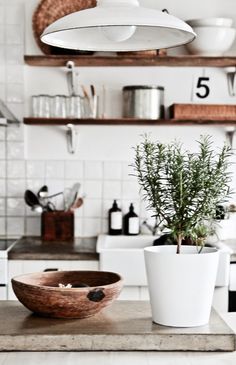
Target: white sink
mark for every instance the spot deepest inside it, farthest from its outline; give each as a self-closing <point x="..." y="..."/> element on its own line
<point x="124" y="255"/>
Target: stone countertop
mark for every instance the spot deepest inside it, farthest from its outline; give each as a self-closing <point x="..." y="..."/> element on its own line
<point x="34" y="248"/>
<point x="125" y="326"/>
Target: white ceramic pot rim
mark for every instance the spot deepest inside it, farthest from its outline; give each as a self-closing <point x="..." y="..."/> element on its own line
<point x="185" y="250"/>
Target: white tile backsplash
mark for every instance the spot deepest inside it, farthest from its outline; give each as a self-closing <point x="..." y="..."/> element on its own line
<point x="78" y="227"/>
<point x="15" y="226"/>
<point x="54" y="170"/>
<point x="2" y="14"/>
<point x="2" y="74"/>
<point x="91" y="227"/>
<point x="92" y="208"/>
<point x="2" y="169"/>
<point x="2" y="55"/>
<point x="16" y="169"/>
<point x="112" y="189"/>
<point x="130" y="190"/>
<point x="14" y="34"/>
<point x="2" y="91"/>
<point x="2" y="224"/>
<point x="2" y="33"/>
<point x="15" y="207"/>
<point x="93" y="170"/>
<point x="35" y="184"/>
<point x="128" y="171"/>
<point x="35" y="169"/>
<point x="33" y="226"/>
<point x="112" y="170"/>
<point x="93" y="189"/>
<point x="2" y="134"/>
<point x="14" y="55"/>
<point x="14" y="14"/>
<point x="15" y="150"/>
<point x="2" y="187"/>
<point x="2" y="206"/>
<point x="2" y="150"/>
<point x="74" y="170"/>
<point x="15" y="93"/>
<point x="104" y="227"/>
<point x="14" y="74"/>
<point x="101" y="166"/>
<point x="15" y="187"/>
<point x="15" y="133"/>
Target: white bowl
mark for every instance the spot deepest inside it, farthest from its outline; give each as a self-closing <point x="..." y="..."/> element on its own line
<point x="211" y="41"/>
<point x="211" y="22"/>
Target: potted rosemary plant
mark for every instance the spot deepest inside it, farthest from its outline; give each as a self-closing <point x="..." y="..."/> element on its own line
<point x="182" y="189"/>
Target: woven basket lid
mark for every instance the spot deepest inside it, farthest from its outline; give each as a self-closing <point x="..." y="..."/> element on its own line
<point x="48" y="11"/>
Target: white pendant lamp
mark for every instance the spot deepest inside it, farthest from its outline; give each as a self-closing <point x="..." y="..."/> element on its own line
<point x="118" y="25"/>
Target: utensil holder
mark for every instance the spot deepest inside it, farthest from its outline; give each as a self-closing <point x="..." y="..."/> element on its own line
<point x="57" y="226"/>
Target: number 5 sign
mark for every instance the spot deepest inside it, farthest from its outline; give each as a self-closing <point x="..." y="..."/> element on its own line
<point x="201" y="88"/>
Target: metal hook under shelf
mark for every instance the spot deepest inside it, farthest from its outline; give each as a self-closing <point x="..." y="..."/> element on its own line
<point x="72" y="138"/>
<point x="229" y="133"/>
<point x="231" y="77"/>
<point x="71" y="77"/>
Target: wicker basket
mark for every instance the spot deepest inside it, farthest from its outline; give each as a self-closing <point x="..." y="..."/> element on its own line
<point x="48" y="11"/>
<point x="203" y="111"/>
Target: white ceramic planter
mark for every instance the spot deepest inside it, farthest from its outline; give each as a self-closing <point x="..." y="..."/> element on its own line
<point x="181" y="286"/>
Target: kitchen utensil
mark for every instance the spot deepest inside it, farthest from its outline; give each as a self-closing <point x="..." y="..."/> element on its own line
<point x="70" y="195"/>
<point x="77" y="203"/>
<point x="144" y="102"/>
<point x="211" y="41"/>
<point x="94" y="102"/>
<point x="87" y="104"/>
<point x="43" y="192"/>
<point x="32" y="200"/>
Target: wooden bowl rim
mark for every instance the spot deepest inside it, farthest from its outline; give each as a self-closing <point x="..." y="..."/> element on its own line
<point x="52" y="288"/>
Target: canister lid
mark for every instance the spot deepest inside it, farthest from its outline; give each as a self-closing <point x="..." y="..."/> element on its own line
<point x="143" y="87"/>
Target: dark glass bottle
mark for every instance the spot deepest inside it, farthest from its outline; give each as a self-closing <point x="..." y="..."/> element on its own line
<point x="115" y="220"/>
<point x="131" y="222"/>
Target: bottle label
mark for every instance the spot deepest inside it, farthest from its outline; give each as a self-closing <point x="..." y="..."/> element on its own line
<point x="133" y="225"/>
<point x="116" y="220"/>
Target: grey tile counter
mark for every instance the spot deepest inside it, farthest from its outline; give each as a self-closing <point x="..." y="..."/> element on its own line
<point x="125" y="326"/>
<point x="34" y="248"/>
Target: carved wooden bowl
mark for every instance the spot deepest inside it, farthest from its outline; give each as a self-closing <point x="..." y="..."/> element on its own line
<point x="91" y="292"/>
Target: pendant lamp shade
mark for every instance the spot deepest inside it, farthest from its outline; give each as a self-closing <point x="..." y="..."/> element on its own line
<point x="118" y="25"/>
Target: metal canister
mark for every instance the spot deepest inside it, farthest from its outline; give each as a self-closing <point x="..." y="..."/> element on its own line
<point x="143" y="101"/>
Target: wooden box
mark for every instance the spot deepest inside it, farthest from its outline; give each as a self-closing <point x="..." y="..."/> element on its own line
<point x="57" y="225"/>
<point x="202" y="111"/>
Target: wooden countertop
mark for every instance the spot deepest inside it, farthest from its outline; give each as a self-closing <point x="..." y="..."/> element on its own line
<point x="125" y="326"/>
<point x="34" y="248"/>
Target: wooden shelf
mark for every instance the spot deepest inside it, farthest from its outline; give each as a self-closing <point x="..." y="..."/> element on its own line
<point x="127" y="121"/>
<point x="102" y="61"/>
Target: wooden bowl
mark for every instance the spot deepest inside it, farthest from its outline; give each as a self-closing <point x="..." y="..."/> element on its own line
<point x="91" y="292"/>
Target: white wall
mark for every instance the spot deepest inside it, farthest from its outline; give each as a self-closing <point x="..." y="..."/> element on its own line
<point x="35" y="155"/>
<point x="109" y="142"/>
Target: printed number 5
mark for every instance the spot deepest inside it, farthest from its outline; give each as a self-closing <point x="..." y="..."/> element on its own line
<point x="202" y="84"/>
